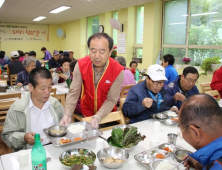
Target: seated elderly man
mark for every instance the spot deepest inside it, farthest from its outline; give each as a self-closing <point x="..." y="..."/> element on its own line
<point x="200" y="121"/>
<point x="182" y="87"/>
<point x="23" y="76"/>
<point x="32" y="113"/>
<point x="148" y="97"/>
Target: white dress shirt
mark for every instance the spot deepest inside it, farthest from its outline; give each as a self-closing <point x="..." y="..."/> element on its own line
<point x="40" y="119"/>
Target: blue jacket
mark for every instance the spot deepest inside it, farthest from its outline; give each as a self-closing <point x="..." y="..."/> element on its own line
<point x="210" y="156"/>
<point x="172" y="88"/>
<point x="133" y="107"/>
<point x="170" y="73"/>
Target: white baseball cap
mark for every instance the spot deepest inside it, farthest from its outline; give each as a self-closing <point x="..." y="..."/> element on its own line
<point x="156" y="72"/>
<point x="14" y="54"/>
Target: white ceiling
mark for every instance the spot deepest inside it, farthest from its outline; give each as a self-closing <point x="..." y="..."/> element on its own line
<point x="24" y="11"/>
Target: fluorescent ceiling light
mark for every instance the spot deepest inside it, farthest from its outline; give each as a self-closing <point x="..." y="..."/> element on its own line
<point x="209" y="13"/>
<point x="1" y="3"/>
<point x="177" y="23"/>
<point x="60" y="9"/>
<point x="185" y="15"/>
<point x="216" y="20"/>
<point x="39" y="18"/>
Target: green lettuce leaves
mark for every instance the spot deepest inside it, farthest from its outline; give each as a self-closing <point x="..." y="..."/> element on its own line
<point x="126" y="138"/>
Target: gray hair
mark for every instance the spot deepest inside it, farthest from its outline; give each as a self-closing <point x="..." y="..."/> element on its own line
<point x="27" y="61"/>
<point x="121" y="60"/>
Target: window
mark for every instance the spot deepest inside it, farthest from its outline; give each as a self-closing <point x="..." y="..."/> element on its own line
<point x="93" y="25"/>
<point x="115" y="32"/>
<point x="139" y="25"/>
<point x="192" y="28"/>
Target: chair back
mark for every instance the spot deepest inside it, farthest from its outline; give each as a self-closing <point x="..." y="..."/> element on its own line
<point x="214" y="93"/>
<point x="6" y="101"/>
<point x="111" y="117"/>
<point x="53" y="92"/>
<point x="205" y="87"/>
<point x="2" y="77"/>
<point x="124" y="91"/>
<point x="13" y="79"/>
<point x="121" y="102"/>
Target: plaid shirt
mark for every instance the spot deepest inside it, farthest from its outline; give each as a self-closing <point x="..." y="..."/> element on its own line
<point x="23" y="77"/>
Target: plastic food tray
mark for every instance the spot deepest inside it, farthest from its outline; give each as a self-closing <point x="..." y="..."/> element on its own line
<point x="88" y="133"/>
<point x="140" y="157"/>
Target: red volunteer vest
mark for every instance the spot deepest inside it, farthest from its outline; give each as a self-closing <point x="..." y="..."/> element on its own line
<point x="93" y="98"/>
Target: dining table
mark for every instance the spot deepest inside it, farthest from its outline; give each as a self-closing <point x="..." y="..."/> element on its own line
<point x="10" y="162"/>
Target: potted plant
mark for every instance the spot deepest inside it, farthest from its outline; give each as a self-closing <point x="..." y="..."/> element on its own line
<point x="197" y="66"/>
<point x="114" y="52"/>
<point x="186" y="61"/>
<point x="208" y="65"/>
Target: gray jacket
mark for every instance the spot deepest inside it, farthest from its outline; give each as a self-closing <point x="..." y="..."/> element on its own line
<point x="18" y="120"/>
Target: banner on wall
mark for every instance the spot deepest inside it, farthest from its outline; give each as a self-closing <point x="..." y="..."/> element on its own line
<point x="121" y="48"/>
<point x="23" y="32"/>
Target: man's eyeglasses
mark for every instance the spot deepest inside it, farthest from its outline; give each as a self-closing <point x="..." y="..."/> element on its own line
<point x="191" y="81"/>
<point x="156" y="83"/>
<point x="179" y="133"/>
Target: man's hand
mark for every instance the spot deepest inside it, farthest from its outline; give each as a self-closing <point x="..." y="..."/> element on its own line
<point x="174" y="109"/>
<point x="192" y="163"/>
<point x="95" y="121"/>
<point x="65" y="120"/>
<point x="19" y="84"/>
<point x="6" y="66"/>
<point x="63" y="76"/>
<point x="147" y="102"/>
<point x="179" y="96"/>
<point x="29" y="138"/>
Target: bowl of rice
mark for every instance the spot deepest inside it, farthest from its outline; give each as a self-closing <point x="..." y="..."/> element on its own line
<point x="163" y="165"/>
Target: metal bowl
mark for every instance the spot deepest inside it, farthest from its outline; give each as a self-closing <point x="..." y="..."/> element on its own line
<point x="113" y="152"/>
<point x="127" y="149"/>
<point x="26" y="87"/>
<point x="161" y="116"/>
<point x="154" y="164"/>
<point x="179" y="155"/>
<point x="122" y="126"/>
<point x="63" y="130"/>
<point x="78" y="152"/>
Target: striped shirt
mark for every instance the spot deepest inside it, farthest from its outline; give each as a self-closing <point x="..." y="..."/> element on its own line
<point x="23" y="77"/>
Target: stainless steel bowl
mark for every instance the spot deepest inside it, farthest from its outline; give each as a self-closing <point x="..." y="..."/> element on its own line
<point x="63" y="130"/>
<point x="154" y="164"/>
<point x="113" y="152"/>
<point x="127" y="149"/>
<point x="179" y="155"/>
<point x="78" y="152"/>
<point x="161" y="116"/>
<point x="122" y="126"/>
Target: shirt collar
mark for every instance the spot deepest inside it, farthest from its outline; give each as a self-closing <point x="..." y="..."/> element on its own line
<point x="103" y="67"/>
<point x="45" y="106"/>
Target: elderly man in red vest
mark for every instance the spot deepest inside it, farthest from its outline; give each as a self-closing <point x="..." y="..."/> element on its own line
<point x="101" y="77"/>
